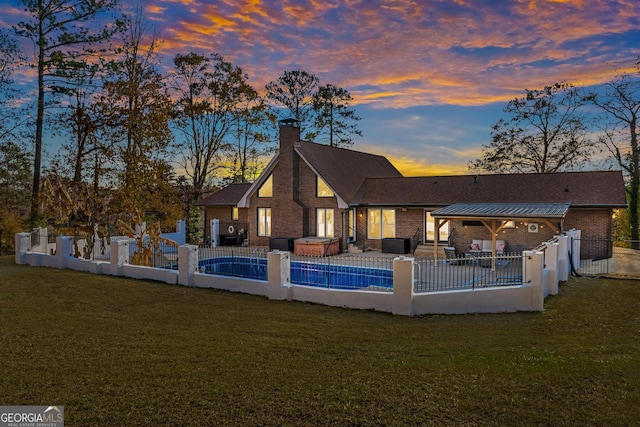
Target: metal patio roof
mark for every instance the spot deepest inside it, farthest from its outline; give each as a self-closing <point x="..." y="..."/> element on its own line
<point x="503" y="210"/>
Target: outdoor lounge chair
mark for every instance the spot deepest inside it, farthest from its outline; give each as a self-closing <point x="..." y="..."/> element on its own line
<point x="481" y="247"/>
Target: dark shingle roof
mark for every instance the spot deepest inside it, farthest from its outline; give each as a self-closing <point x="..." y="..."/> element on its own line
<point x="228" y="196"/>
<point x="345" y="170"/>
<point x="602" y="188"/>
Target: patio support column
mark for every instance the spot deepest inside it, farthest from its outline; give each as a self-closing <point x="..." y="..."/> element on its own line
<point x="493" y="229"/>
<point x="494" y="233"/>
<point x="187" y="264"/>
<point x="403" y="286"/>
<point x="436" y="236"/>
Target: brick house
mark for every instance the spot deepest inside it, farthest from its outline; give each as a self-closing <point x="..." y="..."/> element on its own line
<point x="364" y="202"/>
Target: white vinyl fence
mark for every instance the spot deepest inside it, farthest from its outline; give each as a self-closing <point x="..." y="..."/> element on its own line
<point x="534" y="275"/>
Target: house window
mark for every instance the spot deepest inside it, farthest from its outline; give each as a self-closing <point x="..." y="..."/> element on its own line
<point x="381" y="223"/>
<point x="264" y="221"/>
<point x="323" y="189"/>
<point x="324" y="218"/>
<point x="430" y="228"/>
<point x="234" y="213"/>
<point x="266" y="189"/>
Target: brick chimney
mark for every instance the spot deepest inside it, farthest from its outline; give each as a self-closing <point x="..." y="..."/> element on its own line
<point x="286" y="184"/>
<point x="289" y="140"/>
<point x="289" y="134"/>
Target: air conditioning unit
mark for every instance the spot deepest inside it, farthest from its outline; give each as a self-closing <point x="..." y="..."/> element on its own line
<point x="532" y="227"/>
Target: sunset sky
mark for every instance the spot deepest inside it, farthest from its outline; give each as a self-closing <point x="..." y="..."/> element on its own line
<point x="428" y="78"/>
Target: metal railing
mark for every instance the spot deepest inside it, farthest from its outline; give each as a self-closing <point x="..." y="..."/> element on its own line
<point x="343" y="272"/>
<point x="232" y="261"/>
<point x="604" y="257"/>
<point x="158" y="255"/>
<point x="467" y="272"/>
<point x="35" y="237"/>
<point x="367" y="272"/>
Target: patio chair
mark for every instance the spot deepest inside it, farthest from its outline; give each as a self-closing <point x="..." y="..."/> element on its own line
<point x="452" y="256"/>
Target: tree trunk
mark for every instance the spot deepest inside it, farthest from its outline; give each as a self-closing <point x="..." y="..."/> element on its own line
<point x="37" y="158"/>
<point x="634" y="199"/>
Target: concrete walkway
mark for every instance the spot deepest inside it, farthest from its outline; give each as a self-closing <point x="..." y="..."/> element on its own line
<point x="625" y="263"/>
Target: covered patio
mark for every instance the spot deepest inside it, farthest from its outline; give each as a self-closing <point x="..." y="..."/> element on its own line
<point x="494" y="217"/>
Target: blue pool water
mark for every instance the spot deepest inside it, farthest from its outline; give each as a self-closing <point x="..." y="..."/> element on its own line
<point x="303" y="273"/>
<point x="340" y="276"/>
<point x="248" y="268"/>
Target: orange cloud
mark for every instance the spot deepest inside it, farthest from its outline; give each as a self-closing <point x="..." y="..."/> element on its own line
<point x="421" y="167"/>
<point x="401" y="53"/>
<point x="155" y="9"/>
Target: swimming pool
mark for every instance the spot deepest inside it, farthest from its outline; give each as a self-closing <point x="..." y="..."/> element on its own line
<point x="234" y="266"/>
<point x="333" y="276"/>
<point x="336" y="276"/>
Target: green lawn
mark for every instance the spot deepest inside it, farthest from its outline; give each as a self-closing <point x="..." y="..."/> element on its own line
<point x="117" y="351"/>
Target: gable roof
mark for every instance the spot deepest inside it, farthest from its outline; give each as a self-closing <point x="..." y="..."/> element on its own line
<point x="227" y="196"/>
<point x="345" y="170"/>
<point x="579" y="189"/>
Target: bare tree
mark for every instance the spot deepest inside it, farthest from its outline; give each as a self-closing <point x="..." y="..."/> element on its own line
<point x="13" y="115"/>
<point x="545" y="133"/>
<point x="81" y="122"/>
<point x="294" y="90"/>
<point x="15" y="170"/>
<point x="334" y="117"/>
<point x="254" y="126"/>
<point x="136" y="107"/>
<point x="61" y="39"/>
<point x="208" y="89"/>
<point x="619" y="101"/>
<point x="208" y="114"/>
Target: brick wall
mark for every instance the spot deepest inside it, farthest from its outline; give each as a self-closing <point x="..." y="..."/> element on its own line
<point x="408" y="222"/>
<point x="294" y="203"/>
<point x="595" y="224"/>
<point x="596" y="231"/>
<point x="224" y="214"/>
<point x="517" y="239"/>
<point x="289" y="217"/>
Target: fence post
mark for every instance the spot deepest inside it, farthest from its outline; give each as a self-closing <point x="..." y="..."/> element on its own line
<point x="403" y="286"/>
<point x="215" y="232"/>
<point x="119" y="254"/>
<point x="574" y="246"/>
<point x="551" y="263"/>
<point x="23" y="244"/>
<point x="64" y="250"/>
<point x="187" y="264"/>
<point x="279" y="275"/>
<point x="533" y="275"/>
<point x="563" y="258"/>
